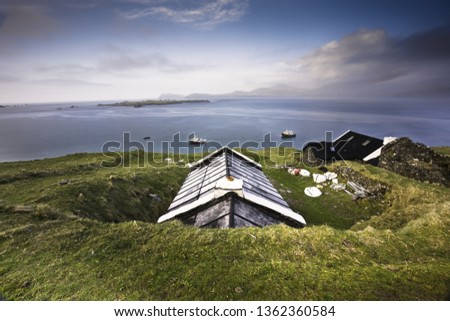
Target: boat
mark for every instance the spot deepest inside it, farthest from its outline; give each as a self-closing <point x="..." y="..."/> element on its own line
<point x="197" y="141"/>
<point x="147" y="137"/>
<point x="288" y="133"/>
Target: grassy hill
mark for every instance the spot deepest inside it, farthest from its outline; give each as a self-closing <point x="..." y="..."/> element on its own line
<point x="71" y="229"/>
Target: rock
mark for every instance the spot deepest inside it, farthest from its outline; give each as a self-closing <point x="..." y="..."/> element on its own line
<point x="156" y="197"/>
<point x="347" y="243"/>
<point x="24" y="209"/>
<point x="374" y="189"/>
<point x="26" y="284"/>
<point x="415" y="160"/>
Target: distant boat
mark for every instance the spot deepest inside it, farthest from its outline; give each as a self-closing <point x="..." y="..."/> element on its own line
<point x="147" y="137"/>
<point x="197" y="141"/>
<point x="288" y="133"/>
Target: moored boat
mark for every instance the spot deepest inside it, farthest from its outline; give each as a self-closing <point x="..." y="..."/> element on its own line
<point x="288" y="133"/>
<point x="197" y="141"/>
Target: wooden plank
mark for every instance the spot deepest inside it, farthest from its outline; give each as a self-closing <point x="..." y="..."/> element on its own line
<point x="213" y="213"/>
<point x="253" y="214"/>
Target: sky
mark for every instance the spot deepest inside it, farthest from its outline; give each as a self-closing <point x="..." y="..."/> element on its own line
<point x="85" y="50"/>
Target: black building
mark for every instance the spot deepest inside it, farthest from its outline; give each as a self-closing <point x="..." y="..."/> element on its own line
<point x="348" y="146"/>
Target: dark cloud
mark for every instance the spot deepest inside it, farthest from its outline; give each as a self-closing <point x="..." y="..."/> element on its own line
<point x="26" y="22"/>
<point x="432" y="45"/>
<point x="369" y="57"/>
<point x="2" y="17"/>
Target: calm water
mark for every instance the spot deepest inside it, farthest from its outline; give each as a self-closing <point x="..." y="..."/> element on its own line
<point x="39" y="131"/>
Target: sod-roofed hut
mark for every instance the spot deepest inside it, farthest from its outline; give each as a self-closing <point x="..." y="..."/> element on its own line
<point x="228" y="189"/>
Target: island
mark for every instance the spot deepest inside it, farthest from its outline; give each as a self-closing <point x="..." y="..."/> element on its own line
<point x="153" y="102"/>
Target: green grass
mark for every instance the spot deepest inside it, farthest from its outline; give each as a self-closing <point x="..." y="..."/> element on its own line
<point x="104" y="245"/>
<point x="444" y="150"/>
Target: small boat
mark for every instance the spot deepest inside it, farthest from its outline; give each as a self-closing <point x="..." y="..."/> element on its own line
<point x="147" y="137"/>
<point x="197" y="141"/>
<point x="288" y="133"/>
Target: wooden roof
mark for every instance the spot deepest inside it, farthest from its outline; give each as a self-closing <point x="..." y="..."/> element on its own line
<point x="229" y="187"/>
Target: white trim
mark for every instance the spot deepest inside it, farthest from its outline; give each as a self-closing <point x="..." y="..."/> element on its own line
<point x="373" y="155"/>
<point x="389" y="139"/>
<point x="245" y="157"/>
<point x="336" y="139"/>
<point x="285" y="211"/>
<point x="183" y="209"/>
<point x="377" y="153"/>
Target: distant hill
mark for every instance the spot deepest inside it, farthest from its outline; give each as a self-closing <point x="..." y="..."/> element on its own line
<point x="168" y="96"/>
<point x="274" y="91"/>
<point x="417" y="89"/>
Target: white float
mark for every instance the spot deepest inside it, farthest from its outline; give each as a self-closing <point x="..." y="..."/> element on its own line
<point x="312" y="191"/>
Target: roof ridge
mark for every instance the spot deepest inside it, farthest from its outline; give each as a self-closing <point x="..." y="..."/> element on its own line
<point x="224" y="149"/>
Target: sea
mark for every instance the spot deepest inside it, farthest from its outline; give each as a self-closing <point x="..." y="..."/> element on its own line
<point x="36" y="131"/>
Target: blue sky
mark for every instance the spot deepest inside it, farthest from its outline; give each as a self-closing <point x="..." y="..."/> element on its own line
<point x="63" y="50"/>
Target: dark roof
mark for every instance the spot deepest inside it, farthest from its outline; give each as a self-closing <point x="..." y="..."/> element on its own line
<point x="348" y="146"/>
<point x="202" y="195"/>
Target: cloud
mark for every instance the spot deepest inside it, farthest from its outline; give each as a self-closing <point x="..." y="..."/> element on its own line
<point x="26" y="21"/>
<point x="351" y="57"/>
<point x="118" y="60"/>
<point x="8" y="79"/>
<point x="372" y="57"/>
<point x="64" y="69"/>
<point x="68" y="82"/>
<point x="200" y="14"/>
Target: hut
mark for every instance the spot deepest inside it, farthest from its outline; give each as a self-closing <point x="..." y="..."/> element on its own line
<point x="349" y="146"/>
<point x="227" y="189"/>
